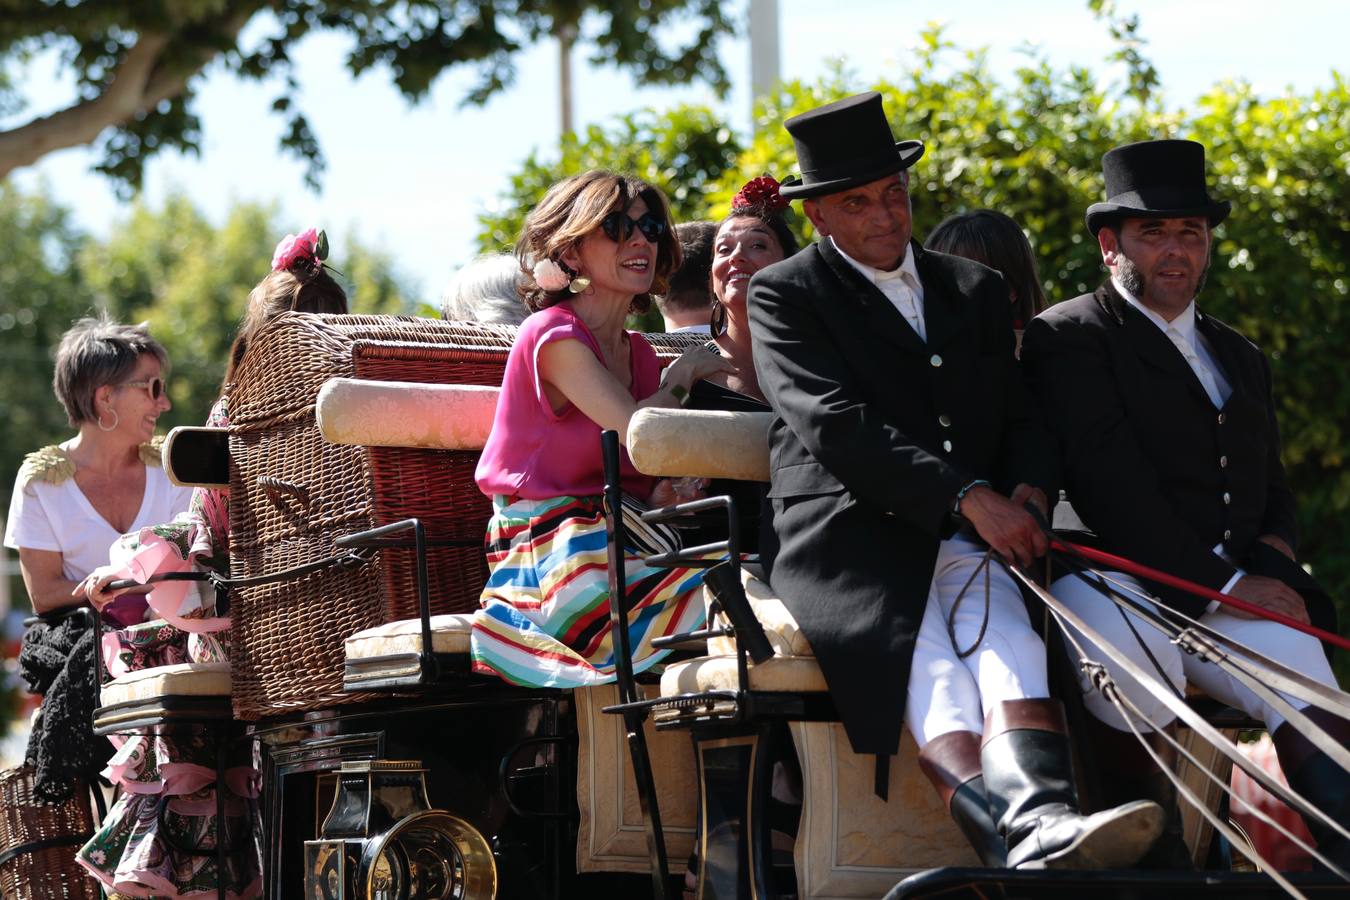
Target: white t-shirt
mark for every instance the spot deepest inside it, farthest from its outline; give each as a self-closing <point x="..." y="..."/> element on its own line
<point x="59" y="517"/>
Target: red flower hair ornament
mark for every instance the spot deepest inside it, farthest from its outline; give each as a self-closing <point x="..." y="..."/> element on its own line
<point x="761" y="191"/>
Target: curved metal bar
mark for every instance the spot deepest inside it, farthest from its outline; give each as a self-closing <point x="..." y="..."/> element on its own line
<point x="1119" y="700"/>
<point x="1179" y="707"/>
<point x="1108" y="689"/>
<point x="1200" y="639"/>
<point x="1130" y="567"/>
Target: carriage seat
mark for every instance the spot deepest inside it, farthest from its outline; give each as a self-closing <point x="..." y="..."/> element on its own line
<point x="793" y="668"/>
<point x="183" y="691"/>
<point x="388" y="655"/>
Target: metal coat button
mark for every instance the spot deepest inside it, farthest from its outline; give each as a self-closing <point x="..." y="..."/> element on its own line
<point x="1223" y="462"/>
<point x="947" y="445"/>
<point x="935" y="360"/>
<point x="944" y="421"/>
<point x="1227" y="535"/>
<point x="1223" y="417"/>
<point x="1227" y="498"/>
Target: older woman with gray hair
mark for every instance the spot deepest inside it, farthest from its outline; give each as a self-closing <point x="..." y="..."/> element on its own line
<point x="74" y="499"/>
<point x="487" y="290"/>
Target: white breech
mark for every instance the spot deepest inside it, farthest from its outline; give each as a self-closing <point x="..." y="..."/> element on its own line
<point x="1282" y="644"/>
<point x="947" y="693"/>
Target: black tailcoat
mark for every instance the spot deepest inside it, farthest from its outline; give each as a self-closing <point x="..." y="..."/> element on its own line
<point x="1151" y="466"/>
<point x="874" y="433"/>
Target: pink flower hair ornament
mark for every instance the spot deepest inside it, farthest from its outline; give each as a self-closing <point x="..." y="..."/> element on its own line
<point x="550" y="276"/>
<point x="310" y="245"/>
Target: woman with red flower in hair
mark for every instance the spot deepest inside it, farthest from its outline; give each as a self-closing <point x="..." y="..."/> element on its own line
<point x="754" y="234"/>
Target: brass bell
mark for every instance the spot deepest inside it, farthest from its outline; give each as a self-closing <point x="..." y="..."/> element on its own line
<point x="382" y="840"/>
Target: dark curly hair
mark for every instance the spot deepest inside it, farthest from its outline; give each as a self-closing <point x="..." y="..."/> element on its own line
<point x="773" y="219"/>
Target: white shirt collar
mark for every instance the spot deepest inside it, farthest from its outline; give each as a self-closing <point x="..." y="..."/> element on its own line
<point x="906" y="267"/>
<point x="1183" y="323"/>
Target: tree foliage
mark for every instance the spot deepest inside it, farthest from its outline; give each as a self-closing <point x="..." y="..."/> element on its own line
<point x="171" y="267"/>
<point x="139" y="63"/>
<point x="42" y="290"/>
<point x="1031" y="146"/>
<point x="685" y="152"/>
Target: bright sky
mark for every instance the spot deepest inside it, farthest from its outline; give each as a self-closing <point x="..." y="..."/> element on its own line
<point x="412" y="179"/>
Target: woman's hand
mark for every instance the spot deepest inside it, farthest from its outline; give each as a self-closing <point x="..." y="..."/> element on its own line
<point x="695" y="364"/>
<point x="669" y="491"/>
<point x="94" y="587"/>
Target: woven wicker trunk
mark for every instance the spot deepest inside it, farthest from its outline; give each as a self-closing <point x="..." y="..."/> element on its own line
<point x="293" y="494"/>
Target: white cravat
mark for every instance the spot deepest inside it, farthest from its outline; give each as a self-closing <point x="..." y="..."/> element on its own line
<point x="1181" y="332"/>
<point x="900" y="285"/>
<point x="1198" y="366"/>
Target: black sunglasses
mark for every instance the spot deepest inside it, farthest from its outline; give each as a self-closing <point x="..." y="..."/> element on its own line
<point x="618" y="226"/>
<point x="155" y="387"/>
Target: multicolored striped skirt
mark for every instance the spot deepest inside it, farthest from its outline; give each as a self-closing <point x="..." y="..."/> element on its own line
<point x="545" y="615"/>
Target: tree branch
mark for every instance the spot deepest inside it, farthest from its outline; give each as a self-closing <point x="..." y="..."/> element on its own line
<point x="141" y="82"/>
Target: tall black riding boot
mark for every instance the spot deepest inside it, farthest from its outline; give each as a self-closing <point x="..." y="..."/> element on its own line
<point x="1319" y="779"/>
<point x="952" y="762"/>
<point x="1125" y="771"/>
<point x="1028" y="777"/>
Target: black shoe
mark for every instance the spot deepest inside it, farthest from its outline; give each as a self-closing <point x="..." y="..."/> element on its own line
<point x="1028" y="778"/>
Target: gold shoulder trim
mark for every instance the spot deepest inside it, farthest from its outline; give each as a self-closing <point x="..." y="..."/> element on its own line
<point x="151" y="452"/>
<point x="50" y="464"/>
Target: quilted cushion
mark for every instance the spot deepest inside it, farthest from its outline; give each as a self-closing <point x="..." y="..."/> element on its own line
<point x="181" y="680"/>
<point x="718" y="673"/>
<point x="784" y="634"/>
<point x="449" y="634"/>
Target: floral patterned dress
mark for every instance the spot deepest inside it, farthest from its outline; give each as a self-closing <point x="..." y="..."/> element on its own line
<point x="159" y="837"/>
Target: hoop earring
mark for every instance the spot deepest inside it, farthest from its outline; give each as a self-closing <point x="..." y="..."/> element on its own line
<point x="717" y="319"/>
<point x="117" y="420"/>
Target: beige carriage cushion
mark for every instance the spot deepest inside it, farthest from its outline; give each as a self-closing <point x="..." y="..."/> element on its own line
<point x="180" y="680"/>
<point x="675" y="443"/>
<point x="784" y="634"/>
<point x="449" y="634"/>
<point x="394" y="414"/>
<point x="718" y="673"/>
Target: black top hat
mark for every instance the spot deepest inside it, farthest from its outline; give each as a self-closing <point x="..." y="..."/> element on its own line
<point x="1156" y="178"/>
<point x="845" y="144"/>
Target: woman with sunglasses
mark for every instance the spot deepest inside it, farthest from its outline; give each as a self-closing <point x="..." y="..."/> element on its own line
<point x="72" y="500"/>
<point x="594" y="249"/>
<point x="131" y="854"/>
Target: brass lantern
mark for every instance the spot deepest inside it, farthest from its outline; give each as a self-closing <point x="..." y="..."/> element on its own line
<point x="383" y="841"/>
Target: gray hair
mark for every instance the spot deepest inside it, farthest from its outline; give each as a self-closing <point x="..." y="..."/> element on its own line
<point x="94" y="352"/>
<point x="485" y="290"/>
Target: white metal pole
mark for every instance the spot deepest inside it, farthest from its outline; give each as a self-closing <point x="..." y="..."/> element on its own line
<point x="567" y="34"/>
<point x="764" y="41"/>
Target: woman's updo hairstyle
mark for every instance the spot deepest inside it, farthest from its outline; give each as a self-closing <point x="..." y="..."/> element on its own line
<point x="298" y="282"/>
<point x="574" y="208"/>
<point x="757" y="199"/>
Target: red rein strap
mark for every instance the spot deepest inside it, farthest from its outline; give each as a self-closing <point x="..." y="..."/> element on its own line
<point x="1119" y="563"/>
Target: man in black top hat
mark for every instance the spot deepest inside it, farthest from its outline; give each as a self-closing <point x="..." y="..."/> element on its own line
<point x="1171" y="454"/>
<point x="900" y="446"/>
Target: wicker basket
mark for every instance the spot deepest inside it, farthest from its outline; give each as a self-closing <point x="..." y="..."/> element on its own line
<point x="293" y="494"/>
<point x="58" y="829"/>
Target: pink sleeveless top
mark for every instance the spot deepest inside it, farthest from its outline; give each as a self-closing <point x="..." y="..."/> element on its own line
<point x="534" y="453"/>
